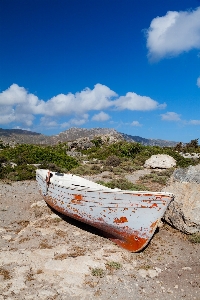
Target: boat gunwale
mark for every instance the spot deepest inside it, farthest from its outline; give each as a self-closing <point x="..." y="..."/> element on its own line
<point x="99" y="187"/>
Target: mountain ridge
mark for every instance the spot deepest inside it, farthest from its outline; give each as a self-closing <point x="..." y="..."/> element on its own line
<point x="20" y="136"/>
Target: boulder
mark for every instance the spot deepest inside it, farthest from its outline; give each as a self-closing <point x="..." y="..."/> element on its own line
<point x="161" y="161"/>
<point x="184" y="212"/>
<point x="190" y="155"/>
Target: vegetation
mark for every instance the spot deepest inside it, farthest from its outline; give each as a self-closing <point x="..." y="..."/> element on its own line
<point x="113" y="265"/>
<point x="159" y="177"/>
<point x="110" y="266"/>
<point x="139" y="153"/>
<point x="19" y="162"/>
<point x="194" y="238"/>
<point x="98" y="272"/>
<point x="192" y="146"/>
<point x="123" y="184"/>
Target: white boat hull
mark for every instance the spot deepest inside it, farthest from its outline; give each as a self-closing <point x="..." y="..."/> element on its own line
<point x="129" y="218"/>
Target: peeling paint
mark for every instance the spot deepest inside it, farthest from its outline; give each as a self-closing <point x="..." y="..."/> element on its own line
<point x="120" y="220"/>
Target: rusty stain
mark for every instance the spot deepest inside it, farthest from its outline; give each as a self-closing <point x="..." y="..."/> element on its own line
<point x="154" y="205"/>
<point x="120" y="220"/>
<point x="153" y="226"/>
<point x="77" y="198"/>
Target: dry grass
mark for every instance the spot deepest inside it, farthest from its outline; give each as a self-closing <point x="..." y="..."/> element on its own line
<point x="44" y="245"/>
<point x="60" y="256"/>
<point x="5" y="273"/>
<point x="194" y="238"/>
<point x="98" y="272"/>
<point x="77" y="251"/>
<point x="24" y="240"/>
<point x="61" y="233"/>
<point x="23" y="223"/>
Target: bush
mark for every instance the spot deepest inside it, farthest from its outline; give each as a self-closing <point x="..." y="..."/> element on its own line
<point x="23" y="172"/>
<point x="113" y="161"/>
<point x="119" y="149"/>
<point x="123" y="184"/>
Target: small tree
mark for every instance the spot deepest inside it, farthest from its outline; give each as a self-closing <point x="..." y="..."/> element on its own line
<point x="178" y="147"/>
<point x="193" y="144"/>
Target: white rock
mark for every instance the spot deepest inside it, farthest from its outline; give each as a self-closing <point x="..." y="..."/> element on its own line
<point x="161" y="161"/>
<point x="184" y="212"/>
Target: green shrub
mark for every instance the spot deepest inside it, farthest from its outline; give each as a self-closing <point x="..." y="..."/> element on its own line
<point x="123" y="184"/>
<point x="34" y="154"/>
<point x="119" y="149"/>
<point x="22" y="172"/>
<point x="86" y="170"/>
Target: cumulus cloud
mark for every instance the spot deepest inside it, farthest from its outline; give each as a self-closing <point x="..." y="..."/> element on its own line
<point x="101" y="117"/>
<point x="132" y="101"/>
<point x="171" y="116"/>
<point x="18" y="106"/>
<point x="198" y="81"/>
<point x="173" y="33"/>
<point x="81" y="102"/>
<point x="136" y="123"/>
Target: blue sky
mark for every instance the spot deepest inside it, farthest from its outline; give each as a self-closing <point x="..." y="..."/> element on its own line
<point x="125" y="64"/>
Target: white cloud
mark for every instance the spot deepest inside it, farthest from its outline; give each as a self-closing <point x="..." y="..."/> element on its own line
<point x="171" y="116"/>
<point x="101" y="117"/>
<point x="173" y="33"/>
<point x="136" y="123"/>
<point x="48" y="122"/>
<point x="81" y="102"/>
<point x="18" y="106"/>
<point x="79" y="121"/>
<point x="7" y="115"/>
<point x="7" y="119"/>
<point x="25" y="119"/>
<point x="198" y="81"/>
<point x="132" y="101"/>
<point x="13" y="95"/>
<point x="23" y="128"/>
<point x="75" y="121"/>
<point x="194" y="122"/>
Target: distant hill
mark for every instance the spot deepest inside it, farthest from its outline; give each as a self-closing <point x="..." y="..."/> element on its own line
<point x="13" y="136"/>
<point x="150" y="142"/>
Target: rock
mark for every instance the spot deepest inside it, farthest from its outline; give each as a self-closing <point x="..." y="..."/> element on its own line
<point x="184" y="212"/>
<point x="190" y="174"/>
<point x="161" y="161"/>
<point x="190" y="155"/>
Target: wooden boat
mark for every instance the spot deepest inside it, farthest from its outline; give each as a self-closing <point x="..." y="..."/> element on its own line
<point x="128" y="218"/>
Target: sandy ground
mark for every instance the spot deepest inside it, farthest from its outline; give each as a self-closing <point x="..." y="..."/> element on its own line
<point x="44" y="255"/>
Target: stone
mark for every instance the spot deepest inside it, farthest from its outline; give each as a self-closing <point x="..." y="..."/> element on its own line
<point x="184" y="212"/>
<point x="161" y="161"/>
<point x="190" y="155"/>
<point x="190" y="174"/>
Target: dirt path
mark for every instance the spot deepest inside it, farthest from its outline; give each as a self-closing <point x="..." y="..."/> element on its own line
<point x="46" y="256"/>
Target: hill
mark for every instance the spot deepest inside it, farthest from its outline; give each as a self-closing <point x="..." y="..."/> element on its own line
<point x="13" y="136"/>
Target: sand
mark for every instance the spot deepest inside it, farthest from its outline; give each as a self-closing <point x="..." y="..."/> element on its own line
<point x="44" y="255"/>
